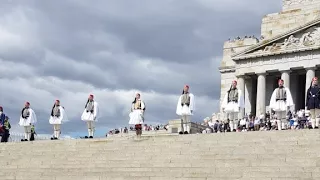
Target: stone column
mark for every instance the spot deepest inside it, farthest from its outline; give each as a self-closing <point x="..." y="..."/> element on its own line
<point x="242" y="88"/>
<point x="261" y="94"/>
<point x="311" y="73"/>
<point x="248" y="95"/>
<point x="285" y="76"/>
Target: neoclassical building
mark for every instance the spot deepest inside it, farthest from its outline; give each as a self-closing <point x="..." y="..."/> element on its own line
<point x="289" y="48"/>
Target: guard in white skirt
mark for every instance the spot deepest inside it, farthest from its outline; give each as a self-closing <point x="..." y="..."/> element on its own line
<point x="232" y="103"/>
<point x="27" y="119"/>
<point x="90" y="115"/>
<point x="58" y="115"/>
<point x="185" y="108"/>
<point x="280" y="102"/>
<point x="136" y="115"/>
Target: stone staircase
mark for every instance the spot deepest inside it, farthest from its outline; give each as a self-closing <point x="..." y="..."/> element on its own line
<point x="276" y="155"/>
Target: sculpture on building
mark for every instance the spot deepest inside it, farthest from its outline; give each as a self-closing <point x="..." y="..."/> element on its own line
<point x="232" y="103"/>
<point x="280" y="102"/>
<point x="306" y="39"/>
<point x="309" y="38"/>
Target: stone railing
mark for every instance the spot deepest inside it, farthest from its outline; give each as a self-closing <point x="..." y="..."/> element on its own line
<point x="175" y="127"/>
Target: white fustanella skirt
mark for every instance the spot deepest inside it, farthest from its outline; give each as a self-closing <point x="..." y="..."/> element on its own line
<point x="136" y="117"/>
<point x="232" y="107"/>
<point x="279" y="106"/>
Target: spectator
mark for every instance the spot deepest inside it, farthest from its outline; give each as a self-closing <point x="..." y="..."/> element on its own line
<point x="257" y="124"/>
<point x="6" y="127"/>
<point x="2" y="116"/>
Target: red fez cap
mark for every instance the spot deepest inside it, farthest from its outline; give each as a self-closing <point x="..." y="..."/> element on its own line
<point x="91" y="95"/>
<point x="58" y="100"/>
<point x="280" y="80"/>
<point x="187" y="86"/>
<point x="27" y="103"/>
<point x="234" y="81"/>
<point x="315" y="79"/>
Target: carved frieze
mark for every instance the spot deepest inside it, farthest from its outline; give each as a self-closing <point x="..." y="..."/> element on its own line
<point x="296" y="2"/>
<point x="309" y="38"/>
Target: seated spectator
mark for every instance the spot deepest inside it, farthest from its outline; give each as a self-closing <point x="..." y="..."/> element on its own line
<point x="217" y="127"/>
<point x="268" y="124"/>
<point x="242" y="126"/>
<point x="251" y="125"/>
<point x="257" y="124"/>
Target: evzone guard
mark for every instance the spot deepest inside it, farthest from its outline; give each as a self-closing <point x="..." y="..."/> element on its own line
<point x="185" y="108"/>
<point x="136" y="115"/>
<point x="27" y="119"/>
<point x="57" y="117"/>
<point x="232" y="103"/>
<point x="313" y="102"/>
<point x="90" y="115"/>
<point x="280" y="102"/>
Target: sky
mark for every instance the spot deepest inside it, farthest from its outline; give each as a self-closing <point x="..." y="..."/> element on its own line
<point x="69" y="49"/>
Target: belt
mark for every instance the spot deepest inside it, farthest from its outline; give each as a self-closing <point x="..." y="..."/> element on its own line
<point x="281" y="99"/>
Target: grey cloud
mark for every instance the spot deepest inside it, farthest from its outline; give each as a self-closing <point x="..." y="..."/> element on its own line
<point x="118" y="45"/>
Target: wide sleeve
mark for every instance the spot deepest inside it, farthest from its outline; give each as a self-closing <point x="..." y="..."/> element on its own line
<point x="240" y="99"/>
<point x="143" y="106"/>
<point x="273" y="99"/>
<point x="225" y="101"/>
<point x="64" y="117"/>
<point x="289" y="101"/>
<point x="33" y="116"/>
<point x="96" y="110"/>
<point x="192" y="103"/>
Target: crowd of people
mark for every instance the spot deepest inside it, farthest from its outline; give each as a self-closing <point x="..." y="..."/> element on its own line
<point x="145" y="128"/>
<point x="268" y="122"/>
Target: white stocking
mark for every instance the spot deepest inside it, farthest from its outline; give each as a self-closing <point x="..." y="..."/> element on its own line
<point x="313" y="123"/>
<point x="317" y="122"/>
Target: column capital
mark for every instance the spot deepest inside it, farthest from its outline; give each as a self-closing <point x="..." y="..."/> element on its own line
<point x="286" y="71"/>
<point x="310" y="68"/>
<point x="261" y="73"/>
<point x="240" y="76"/>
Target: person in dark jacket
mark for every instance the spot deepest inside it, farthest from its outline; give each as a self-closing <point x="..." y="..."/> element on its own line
<point x="6" y="127"/>
<point x="2" y="116"/>
<point x="313" y="102"/>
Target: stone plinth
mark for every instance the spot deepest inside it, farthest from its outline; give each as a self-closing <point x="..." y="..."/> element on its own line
<point x="175" y="127"/>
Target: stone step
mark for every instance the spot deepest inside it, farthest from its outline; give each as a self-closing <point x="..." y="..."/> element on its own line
<point x="247" y="156"/>
<point x="233" y="174"/>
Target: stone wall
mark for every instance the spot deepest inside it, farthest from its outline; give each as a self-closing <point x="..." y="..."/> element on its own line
<point x="294" y="14"/>
<point x="296" y="4"/>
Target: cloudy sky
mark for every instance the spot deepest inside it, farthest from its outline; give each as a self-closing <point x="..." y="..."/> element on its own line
<point x="113" y="48"/>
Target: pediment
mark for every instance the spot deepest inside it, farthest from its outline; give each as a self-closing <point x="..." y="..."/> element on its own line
<point x="306" y="37"/>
